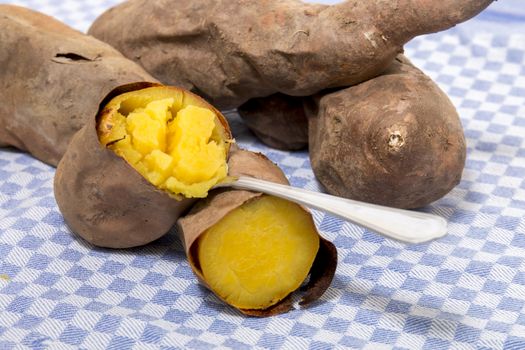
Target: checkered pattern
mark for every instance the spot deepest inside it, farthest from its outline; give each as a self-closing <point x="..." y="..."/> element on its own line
<point x="464" y="291"/>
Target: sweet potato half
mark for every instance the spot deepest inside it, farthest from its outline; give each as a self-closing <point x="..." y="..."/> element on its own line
<point x="134" y="168"/>
<point x="254" y="250"/>
<point x="229" y="51"/>
<point x="52" y="80"/>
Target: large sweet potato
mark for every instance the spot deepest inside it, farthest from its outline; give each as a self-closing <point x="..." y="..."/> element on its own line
<point x="229" y="51"/>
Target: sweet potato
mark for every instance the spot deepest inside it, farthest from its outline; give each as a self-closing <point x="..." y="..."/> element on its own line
<point x="277" y="120"/>
<point x="253" y="250"/>
<point x="229" y="51"/>
<point x="130" y="172"/>
<point x="394" y="140"/>
<point x="52" y="80"/>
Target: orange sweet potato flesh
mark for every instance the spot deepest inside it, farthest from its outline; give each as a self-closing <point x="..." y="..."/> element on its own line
<point x="52" y="81"/>
<point x="229" y="51"/>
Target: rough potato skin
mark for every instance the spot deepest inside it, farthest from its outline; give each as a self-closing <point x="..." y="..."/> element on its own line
<point x="103" y="199"/>
<point x="278" y="120"/>
<point x="395" y="140"/>
<point x="229" y="51"/>
<point x="52" y="80"/>
<point x="211" y="210"/>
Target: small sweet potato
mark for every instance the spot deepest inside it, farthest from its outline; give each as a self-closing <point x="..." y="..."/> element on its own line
<point x="229" y="51"/>
<point x="130" y="172"/>
<point x="277" y="120"/>
<point x="394" y="140"/>
<point x="254" y="250"/>
<point x="52" y="80"/>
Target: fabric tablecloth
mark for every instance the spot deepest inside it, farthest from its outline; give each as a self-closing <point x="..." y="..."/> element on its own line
<point x="463" y="291"/>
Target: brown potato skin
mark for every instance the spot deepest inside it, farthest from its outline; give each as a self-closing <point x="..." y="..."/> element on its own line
<point x="229" y="51"/>
<point x="279" y="121"/>
<point x="52" y="81"/>
<point x="394" y="140"/>
<point x="103" y="199"/>
<point x="211" y="210"/>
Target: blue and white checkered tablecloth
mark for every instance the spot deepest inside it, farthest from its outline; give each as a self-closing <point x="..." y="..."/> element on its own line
<point x="464" y="291"/>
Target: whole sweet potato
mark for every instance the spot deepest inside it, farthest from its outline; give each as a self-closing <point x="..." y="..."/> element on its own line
<point x="229" y="51"/>
<point x="52" y="80"/>
<point x="394" y="140"/>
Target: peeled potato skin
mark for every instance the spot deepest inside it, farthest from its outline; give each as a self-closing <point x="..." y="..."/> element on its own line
<point x="394" y="140"/>
<point x="52" y="80"/>
<point x="103" y="199"/>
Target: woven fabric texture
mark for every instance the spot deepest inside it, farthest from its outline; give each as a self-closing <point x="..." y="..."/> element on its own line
<point x="464" y="291"/>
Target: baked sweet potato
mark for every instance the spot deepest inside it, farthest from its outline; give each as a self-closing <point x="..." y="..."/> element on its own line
<point x="52" y="80"/>
<point x="254" y="250"/>
<point x="134" y="168"/>
<point x="277" y="120"/>
<point x="394" y="140"/>
<point x="229" y="51"/>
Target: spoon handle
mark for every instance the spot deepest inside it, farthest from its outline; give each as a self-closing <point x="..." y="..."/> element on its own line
<point x="403" y="225"/>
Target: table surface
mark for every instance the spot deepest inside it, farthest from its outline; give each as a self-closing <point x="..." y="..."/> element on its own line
<point x="464" y="291"/>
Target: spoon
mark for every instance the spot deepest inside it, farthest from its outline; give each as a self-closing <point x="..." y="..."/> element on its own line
<point x="399" y="224"/>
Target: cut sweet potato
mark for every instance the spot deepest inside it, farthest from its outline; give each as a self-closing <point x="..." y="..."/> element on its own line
<point x="105" y="186"/>
<point x="170" y="137"/>
<point x="254" y="250"/>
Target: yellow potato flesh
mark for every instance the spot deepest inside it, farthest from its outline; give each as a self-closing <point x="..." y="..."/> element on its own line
<point x="177" y="147"/>
<point x="259" y="253"/>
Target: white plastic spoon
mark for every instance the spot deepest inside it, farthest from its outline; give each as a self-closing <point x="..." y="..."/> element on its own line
<point x="403" y="225"/>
